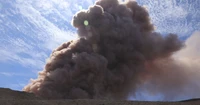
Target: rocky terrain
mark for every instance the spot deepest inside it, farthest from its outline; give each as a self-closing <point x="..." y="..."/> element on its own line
<point x="11" y="97"/>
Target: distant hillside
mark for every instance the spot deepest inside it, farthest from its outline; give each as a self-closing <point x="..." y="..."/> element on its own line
<point x="11" y="97"/>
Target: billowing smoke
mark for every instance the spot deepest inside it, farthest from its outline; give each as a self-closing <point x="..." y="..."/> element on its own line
<point x="176" y="77"/>
<point x="117" y="51"/>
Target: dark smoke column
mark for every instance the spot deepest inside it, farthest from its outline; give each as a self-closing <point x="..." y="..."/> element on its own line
<point x="115" y="43"/>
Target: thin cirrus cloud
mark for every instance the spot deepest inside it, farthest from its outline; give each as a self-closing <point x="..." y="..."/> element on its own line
<point x="27" y="32"/>
<point x="174" y="16"/>
<point x="12" y="74"/>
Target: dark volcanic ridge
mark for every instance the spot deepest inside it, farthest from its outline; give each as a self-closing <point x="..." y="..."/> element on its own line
<point x="11" y="97"/>
<point x="8" y="94"/>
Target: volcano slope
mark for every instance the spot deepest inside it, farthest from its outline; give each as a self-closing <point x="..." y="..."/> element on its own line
<point x="11" y="97"/>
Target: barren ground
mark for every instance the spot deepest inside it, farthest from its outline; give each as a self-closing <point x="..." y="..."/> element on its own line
<point x="10" y="97"/>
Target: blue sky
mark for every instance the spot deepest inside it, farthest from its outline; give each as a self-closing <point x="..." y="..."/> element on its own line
<point x="31" y="29"/>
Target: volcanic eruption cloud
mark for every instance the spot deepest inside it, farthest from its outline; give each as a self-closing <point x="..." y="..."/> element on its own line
<point x="116" y="54"/>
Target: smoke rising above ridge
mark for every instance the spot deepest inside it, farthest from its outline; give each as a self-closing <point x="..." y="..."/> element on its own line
<point x="116" y="51"/>
<point x="178" y="77"/>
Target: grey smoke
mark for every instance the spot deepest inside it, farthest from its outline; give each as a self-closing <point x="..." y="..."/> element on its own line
<point x="117" y="51"/>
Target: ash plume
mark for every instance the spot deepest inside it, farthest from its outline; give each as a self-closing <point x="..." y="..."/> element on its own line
<point x="176" y="77"/>
<point x="116" y="51"/>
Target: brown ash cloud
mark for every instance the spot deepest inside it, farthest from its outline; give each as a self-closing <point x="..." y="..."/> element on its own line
<point x="116" y="51"/>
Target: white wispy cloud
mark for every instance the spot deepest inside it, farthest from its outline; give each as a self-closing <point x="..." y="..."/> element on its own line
<point x="16" y="50"/>
<point x="28" y="33"/>
<point x="172" y="16"/>
<point x="10" y="74"/>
